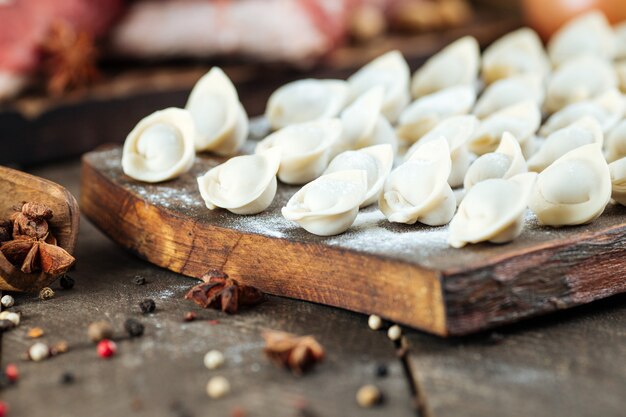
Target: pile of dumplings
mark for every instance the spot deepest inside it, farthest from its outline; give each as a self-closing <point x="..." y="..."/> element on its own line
<point x="468" y="140"/>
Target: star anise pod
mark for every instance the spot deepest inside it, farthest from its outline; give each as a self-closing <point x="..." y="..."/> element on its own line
<point x="69" y="58"/>
<point x="32" y="221"/>
<point x="298" y="353"/>
<point x="220" y="292"/>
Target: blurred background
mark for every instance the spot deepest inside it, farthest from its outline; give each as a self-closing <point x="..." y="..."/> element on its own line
<point x="75" y="74"/>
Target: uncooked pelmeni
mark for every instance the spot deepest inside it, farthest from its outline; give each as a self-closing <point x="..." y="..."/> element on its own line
<point x="329" y="205"/>
<point x="306" y="149"/>
<point x="364" y="125"/>
<point x="617" y="170"/>
<point x="392" y="73"/>
<point x="376" y="161"/>
<point x="493" y="210"/>
<point x="160" y="147"/>
<point x="456" y="64"/>
<point x="418" y="190"/>
<point x="575" y="189"/>
<point x="607" y="109"/>
<point x="242" y="185"/>
<point x="510" y="91"/>
<point x="521" y="120"/>
<point x="516" y="53"/>
<point x="583" y="132"/>
<point x="457" y="130"/>
<point x="579" y="79"/>
<point x="426" y="112"/>
<point x="615" y="142"/>
<point x="306" y="100"/>
<point x="588" y="34"/>
<point x="221" y="121"/>
<point x="505" y="162"/>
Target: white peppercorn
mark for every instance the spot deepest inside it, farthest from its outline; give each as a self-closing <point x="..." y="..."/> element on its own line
<point x="99" y="330"/>
<point x="213" y="359"/>
<point x="218" y="387"/>
<point x="38" y="352"/>
<point x="375" y="322"/>
<point x="368" y="396"/>
<point x="7" y="301"/>
<point x="394" y="332"/>
<point x="11" y="316"/>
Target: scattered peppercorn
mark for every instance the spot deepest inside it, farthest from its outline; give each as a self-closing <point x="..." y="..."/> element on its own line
<point x="7" y="301"/>
<point x="394" y="333"/>
<point x="190" y="316"/>
<point x="59" y="347"/>
<point x="381" y="370"/>
<point x="368" y="396"/>
<point x="99" y="330"/>
<point x="4" y="409"/>
<point x="213" y="359"/>
<point x="147" y="306"/>
<point x="46" y="293"/>
<point x="218" y="387"/>
<point x="67" y="282"/>
<point x="11" y="316"/>
<point x="12" y="373"/>
<point x="38" y="352"/>
<point x="35" y="332"/>
<point x="133" y="327"/>
<point x="180" y="410"/>
<point x="374" y="322"/>
<point x="139" y="280"/>
<point x="106" y="348"/>
<point x="238" y="412"/>
<point x="67" y="378"/>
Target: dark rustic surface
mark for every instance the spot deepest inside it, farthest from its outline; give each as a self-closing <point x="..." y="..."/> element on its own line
<point x="568" y="364"/>
<point x="406" y="273"/>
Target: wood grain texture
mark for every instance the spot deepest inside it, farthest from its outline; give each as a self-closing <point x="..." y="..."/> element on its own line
<point x="404" y="273"/>
<point x="17" y="187"/>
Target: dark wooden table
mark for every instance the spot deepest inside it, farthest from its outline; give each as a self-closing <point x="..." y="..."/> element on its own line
<point x="568" y="364"/>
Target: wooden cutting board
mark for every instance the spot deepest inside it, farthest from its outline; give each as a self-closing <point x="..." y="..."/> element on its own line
<point x="405" y="273"/>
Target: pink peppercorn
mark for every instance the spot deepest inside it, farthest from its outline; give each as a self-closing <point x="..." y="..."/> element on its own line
<point x="4" y="409"/>
<point x="12" y="373"/>
<point x="106" y="348"/>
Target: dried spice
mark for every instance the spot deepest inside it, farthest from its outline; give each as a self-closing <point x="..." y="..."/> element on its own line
<point x="59" y="347"/>
<point x="46" y="293"/>
<point x="218" y="387"/>
<point x="99" y="330"/>
<point x="7" y="301"/>
<point x="298" y="353"/>
<point x="69" y="58"/>
<point x="12" y="373"/>
<point x="190" y="316"/>
<point x="66" y="282"/>
<point x="67" y="378"/>
<point x="381" y="370"/>
<point x="147" y="306"/>
<point x="35" y="332"/>
<point x="368" y="396"/>
<point x="133" y="327"/>
<point x="139" y="280"/>
<point x="220" y="292"/>
<point x="6" y="230"/>
<point x="32" y="247"/>
<point x="106" y="348"/>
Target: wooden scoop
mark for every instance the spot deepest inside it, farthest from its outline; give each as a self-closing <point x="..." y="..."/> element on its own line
<point x="18" y="187"/>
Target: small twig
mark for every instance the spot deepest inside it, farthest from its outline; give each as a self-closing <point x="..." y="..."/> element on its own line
<point x="417" y="394"/>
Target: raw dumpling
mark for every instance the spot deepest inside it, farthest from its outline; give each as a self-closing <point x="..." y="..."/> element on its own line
<point x="579" y="79"/>
<point x="418" y="189"/>
<point x="221" y="121"/>
<point x="376" y="161"/>
<point x="424" y="113"/>
<point x="575" y="189"/>
<point x="242" y="185"/>
<point x="521" y="120"/>
<point x="392" y="73"/>
<point x="618" y="180"/>
<point x="583" y="132"/>
<point x="510" y="91"/>
<point x="493" y="210"/>
<point x="606" y="109"/>
<point x="328" y="205"/>
<point x="160" y="147"/>
<point x="615" y="143"/>
<point x="456" y="64"/>
<point x="588" y="34"/>
<point x="457" y="130"/>
<point x="516" y="53"/>
<point x="306" y="149"/>
<point x="504" y="163"/>
<point x="363" y="124"/>
<point x="306" y="100"/>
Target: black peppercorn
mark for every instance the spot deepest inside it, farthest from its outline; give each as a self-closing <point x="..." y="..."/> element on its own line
<point x="381" y="370"/>
<point x="5" y="325"/>
<point x="133" y="327"/>
<point x="139" y="280"/>
<point x="67" y="378"/>
<point x="147" y="306"/>
<point x="67" y="282"/>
